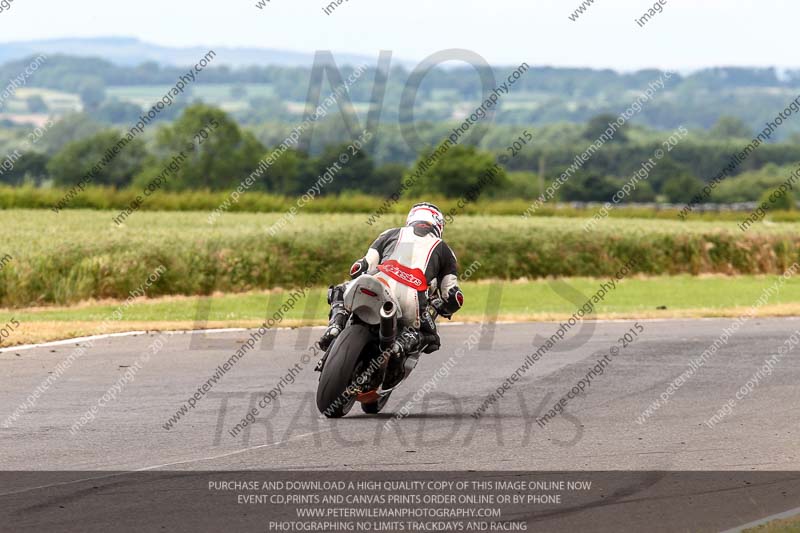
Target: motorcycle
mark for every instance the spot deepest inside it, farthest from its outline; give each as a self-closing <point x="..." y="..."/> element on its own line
<point x="360" y="365"/>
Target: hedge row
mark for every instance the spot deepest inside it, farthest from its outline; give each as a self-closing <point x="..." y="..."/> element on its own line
<point x="75" y="255"/>
<point x="105" y="198"/>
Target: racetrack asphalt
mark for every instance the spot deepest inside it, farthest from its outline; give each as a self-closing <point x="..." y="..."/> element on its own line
<point x="598" y="430"/>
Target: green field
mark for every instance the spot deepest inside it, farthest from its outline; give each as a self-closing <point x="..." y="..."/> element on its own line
<point x="77" y="255"/>
<point x="213" y="93"/>
<point x="57" y="101"/>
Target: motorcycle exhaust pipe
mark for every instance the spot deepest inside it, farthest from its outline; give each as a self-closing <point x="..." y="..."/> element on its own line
<point x="388" y="327"/>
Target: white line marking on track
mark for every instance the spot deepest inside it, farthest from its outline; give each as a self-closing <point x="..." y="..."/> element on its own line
<point x="233" y="330"/>
<point x="154" y="467"/>
<point x="126" y="334"/>
<point x="187" y="461"/>
<point x="786" y="514"/>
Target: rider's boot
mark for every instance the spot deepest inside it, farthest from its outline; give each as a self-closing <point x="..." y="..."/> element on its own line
<point x="430" y="337"/>
<point x="337" y="318"/>
<point x="408" y="342"/>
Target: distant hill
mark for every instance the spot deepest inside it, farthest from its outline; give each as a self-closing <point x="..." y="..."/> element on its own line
<point x="127" y="70"/>
<point x="127" y="51"/>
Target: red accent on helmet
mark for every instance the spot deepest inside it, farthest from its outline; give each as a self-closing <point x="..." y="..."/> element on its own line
<point x="436" y="213"/>
<point x="460" y="298"/>
<point x="427" y="213"/>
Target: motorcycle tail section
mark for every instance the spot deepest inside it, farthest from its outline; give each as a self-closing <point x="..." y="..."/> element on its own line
<point x="366" y="296"/>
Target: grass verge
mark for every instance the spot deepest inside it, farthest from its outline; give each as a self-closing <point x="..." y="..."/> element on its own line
<point x="72" y="256"/>
<point x="788" y="525"/>
<point x="541" y="300"/>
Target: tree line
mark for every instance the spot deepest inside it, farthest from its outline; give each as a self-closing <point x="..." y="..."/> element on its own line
<point x="223" y="156"/>
<point x="544" y="95"/>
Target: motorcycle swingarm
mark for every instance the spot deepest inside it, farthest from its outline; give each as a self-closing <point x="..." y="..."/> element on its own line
<point x="408" y="365"/>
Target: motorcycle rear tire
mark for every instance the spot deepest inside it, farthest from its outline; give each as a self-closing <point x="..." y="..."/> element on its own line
<point x="338" y="374"/>
<point x="375" y="407"/>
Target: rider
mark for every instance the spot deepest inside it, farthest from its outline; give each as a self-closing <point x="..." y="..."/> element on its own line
<point x="395" y="254"/>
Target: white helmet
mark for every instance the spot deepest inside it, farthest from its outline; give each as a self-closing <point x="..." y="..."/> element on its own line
<point x="428" y="213"/>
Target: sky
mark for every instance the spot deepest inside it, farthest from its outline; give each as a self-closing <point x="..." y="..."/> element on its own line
<point x="686" y="35"/>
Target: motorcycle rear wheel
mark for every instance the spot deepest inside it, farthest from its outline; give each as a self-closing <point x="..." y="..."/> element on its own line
<point x="338" y="374"/>
<point x="375" y="407"/>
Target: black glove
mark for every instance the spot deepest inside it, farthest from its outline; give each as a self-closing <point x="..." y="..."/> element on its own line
<point x="438" y="306"/>
<point x="448" y="306"/>
<point x="358" y="268"/>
